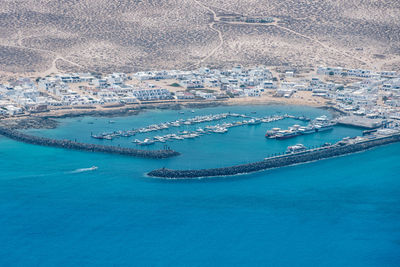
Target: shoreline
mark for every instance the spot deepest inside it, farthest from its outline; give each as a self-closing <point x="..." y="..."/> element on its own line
<point x="48" y="120"/>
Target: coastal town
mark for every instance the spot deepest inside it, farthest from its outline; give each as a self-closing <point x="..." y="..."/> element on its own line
<point x="366" y="97"/>
<point x="360" y="98"/>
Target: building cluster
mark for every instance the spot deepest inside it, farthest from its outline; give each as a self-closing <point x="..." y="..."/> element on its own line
<point x="360" y="92"/>
<point x="76" y="89"/>
<point x="370" y="94"/>
<point x="235" y="82"/>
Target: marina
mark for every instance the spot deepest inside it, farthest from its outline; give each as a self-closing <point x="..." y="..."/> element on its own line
<point x="220" y="128"/>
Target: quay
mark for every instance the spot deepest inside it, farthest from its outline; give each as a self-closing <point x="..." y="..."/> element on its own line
<point x="68" y="144"/>
<point x="324" y="152"/>
<point x="362" y="122"/>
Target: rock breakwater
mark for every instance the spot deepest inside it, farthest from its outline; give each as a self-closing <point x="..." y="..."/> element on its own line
<point x="68" y="144"/>
<point x="278" y="161"/>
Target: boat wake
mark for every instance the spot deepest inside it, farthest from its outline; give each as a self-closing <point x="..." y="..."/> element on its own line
<point x="93" y="168"/>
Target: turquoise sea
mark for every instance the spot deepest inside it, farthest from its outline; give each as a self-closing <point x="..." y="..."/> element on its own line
<point x="343" y="211"/>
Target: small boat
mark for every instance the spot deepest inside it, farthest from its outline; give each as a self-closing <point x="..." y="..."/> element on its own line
<point x="220" y="130"/>
<point x="97" y="136"/>
<point x="192" y="111"/>
<point x="111" y="122"/>
<point x="296" y="149"/>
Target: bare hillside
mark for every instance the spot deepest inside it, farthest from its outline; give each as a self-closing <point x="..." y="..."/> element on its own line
<point x="44" y="36"/>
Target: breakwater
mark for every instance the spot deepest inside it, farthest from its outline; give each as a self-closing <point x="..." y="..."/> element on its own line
<point x="68" y="144"/>
<point x="278" y="161"/>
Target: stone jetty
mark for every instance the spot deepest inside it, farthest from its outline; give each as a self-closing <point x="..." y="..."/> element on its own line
<point x="278" y="161"/>
<point x="68" y="144"/>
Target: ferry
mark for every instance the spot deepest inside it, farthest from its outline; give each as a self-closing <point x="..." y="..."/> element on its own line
<point x="272" y="133"/>
<point x="307" y="130"/>
<point x="287" y="135"/>
<point x="323" y="128"/>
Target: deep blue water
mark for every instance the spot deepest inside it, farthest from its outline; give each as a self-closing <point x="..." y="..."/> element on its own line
<point x="343" y="211"/>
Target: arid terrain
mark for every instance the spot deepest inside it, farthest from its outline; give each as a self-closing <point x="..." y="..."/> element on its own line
<point x="39" y="37"/>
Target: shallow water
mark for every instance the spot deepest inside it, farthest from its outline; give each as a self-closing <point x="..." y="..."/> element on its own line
<point x="343" y="211"/>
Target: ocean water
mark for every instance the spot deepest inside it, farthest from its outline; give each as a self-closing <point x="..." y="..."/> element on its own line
<point x="343" y="211"/>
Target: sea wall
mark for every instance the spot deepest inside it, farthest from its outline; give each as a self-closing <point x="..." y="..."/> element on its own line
<point x="43" y="141"/>
<point x="278" y="161"/>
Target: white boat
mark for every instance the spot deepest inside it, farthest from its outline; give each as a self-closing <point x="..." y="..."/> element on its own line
<point x="322" y="128"/>
<point x="220" y="130"/>
<point x="296" y="148"/>
<point x="306" y="130"/>
<point x="323" y="118"/>
<point x="146" y="142"/>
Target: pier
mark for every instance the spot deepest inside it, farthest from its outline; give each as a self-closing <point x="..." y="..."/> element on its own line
<point x="320" y="153"/>
<point x="68" y="144"/>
